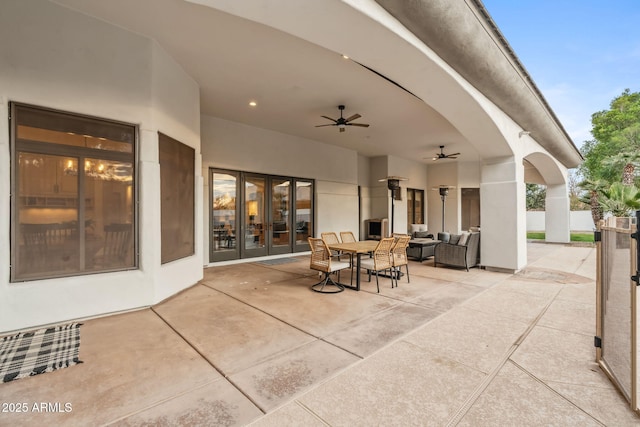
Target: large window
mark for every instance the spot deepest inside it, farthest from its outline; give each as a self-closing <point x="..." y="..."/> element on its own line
<point x="73" y="194"/>
<point x="177" y="174"/>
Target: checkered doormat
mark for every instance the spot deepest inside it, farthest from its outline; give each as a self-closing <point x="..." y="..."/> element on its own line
<point x="37" y="352"/>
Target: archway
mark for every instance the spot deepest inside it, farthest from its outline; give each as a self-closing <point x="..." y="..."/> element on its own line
<point x="540" y="168"/>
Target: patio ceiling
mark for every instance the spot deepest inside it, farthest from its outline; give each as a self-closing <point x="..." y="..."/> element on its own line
<point x="294" y="82"/>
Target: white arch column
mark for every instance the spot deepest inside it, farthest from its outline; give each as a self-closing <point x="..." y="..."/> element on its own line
<point x="557" y="214"/>
<point x="503" y="243"/>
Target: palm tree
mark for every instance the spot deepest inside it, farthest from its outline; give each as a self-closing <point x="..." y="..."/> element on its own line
<point x="620" y="199"/>
<point x="628" y="161"/>
<point x="593" y="189"/>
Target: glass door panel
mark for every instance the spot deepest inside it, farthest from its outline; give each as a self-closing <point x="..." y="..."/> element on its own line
<point x="415" y="206"/>
<point x="224" y="213"/>
<point x="255" y="220"/>
<point x="418" y="207"/>
<point x="304" y="214"/>
<point x="256" y="215"/>
<point x="409" y="207"/>
<point x="280" y="215"/>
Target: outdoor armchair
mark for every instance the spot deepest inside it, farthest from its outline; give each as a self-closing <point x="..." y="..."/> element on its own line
<point x="458" y="252"/>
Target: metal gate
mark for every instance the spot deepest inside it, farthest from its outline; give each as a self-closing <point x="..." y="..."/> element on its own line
<point x="617" y="303"/>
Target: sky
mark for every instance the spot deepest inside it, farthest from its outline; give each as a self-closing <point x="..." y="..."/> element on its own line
<point x="580" y="53"/>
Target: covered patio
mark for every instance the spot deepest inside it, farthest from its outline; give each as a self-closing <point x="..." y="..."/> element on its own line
<point x="240" y="93"/>
<point x="450" y="348"/>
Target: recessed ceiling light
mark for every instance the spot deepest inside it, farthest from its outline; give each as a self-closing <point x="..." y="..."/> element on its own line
<point x="252" y="103"/>
<point x="345" y="56"/>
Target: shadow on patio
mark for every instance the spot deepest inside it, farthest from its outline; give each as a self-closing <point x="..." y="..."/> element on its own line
<point x="450" y="347"/>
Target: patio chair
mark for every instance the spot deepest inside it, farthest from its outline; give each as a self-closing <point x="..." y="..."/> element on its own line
<point x="330" y="238"/>
<point x="321" y="260"/>
<point x="347" y="237"/>
<point x="49" y="246"/>
<point x="116" y="251"/>
<point x="381" y="260"/>
<point x="458" y="252"/>
<point x="399" y="256"/>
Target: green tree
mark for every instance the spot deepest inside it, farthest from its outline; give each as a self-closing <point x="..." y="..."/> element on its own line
<point x="593" y="190"/>
<point x="576" y="202"/>
<point x="536" y="195"/>
<point x="624" y="112"/>
<point x="625" y="162"/>
<point x="616" y="130"/>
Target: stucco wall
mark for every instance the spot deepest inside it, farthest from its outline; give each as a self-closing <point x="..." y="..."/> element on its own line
<point x="227" y="144"/>
<point x="68" y="61"/>
<point x="416" y="174"/>
<point x="579" y="221"/>
<point x="237" y="146"/>
<point x="443" y="174"/>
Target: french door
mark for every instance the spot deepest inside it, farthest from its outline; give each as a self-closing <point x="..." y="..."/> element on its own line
<point x="257" y="215"/>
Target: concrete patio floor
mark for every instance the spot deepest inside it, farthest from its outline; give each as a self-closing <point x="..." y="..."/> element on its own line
<point x="451" y="347"/>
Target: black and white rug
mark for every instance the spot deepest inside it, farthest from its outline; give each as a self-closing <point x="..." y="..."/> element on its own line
<point x="37" y="352"/>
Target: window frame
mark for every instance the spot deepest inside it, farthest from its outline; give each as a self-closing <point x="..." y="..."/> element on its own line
<point x="240" y="207"/>
<point x="46" y="148"/>
<point x="412" y="209"/>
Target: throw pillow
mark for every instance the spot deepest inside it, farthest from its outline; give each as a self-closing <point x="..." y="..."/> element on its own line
<point x="444" y="237"/>
<point x="418" y="227"/>
<point x="464" y="237"/>
<point x="454" y="239"/>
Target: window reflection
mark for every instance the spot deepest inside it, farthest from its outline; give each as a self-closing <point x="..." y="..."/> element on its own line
<point x="224" y="212"/>
<point x="48" y="215"/>
<point x="304" y="193"/>
<point x="75" y="204"/>
<point x="254" y="213"/>
<point x="108" y="214"/>
<point x="280" y="210"/>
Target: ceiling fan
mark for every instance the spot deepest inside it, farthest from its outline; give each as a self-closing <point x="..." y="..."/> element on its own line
<point x="342" y="123"/>
<point x="441" y="155"/>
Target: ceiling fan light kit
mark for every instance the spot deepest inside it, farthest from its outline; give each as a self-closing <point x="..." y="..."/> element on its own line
<point x="342" y="123"/>
<point x="441" y="155"/>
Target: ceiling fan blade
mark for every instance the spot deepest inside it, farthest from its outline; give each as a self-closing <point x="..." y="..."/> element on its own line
<point x="329" y="118"/>
<point x="332" y="124"/>
<point x="452" y="155"/>
<point x="363" y="125"/>
<point x="355" y="116"/>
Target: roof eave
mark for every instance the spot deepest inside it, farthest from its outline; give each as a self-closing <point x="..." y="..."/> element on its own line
<point x="465" y="36"/>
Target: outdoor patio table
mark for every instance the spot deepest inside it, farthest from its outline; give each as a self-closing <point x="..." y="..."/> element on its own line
<point x="422" y="249"/>
<point x="358" y="248"/>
